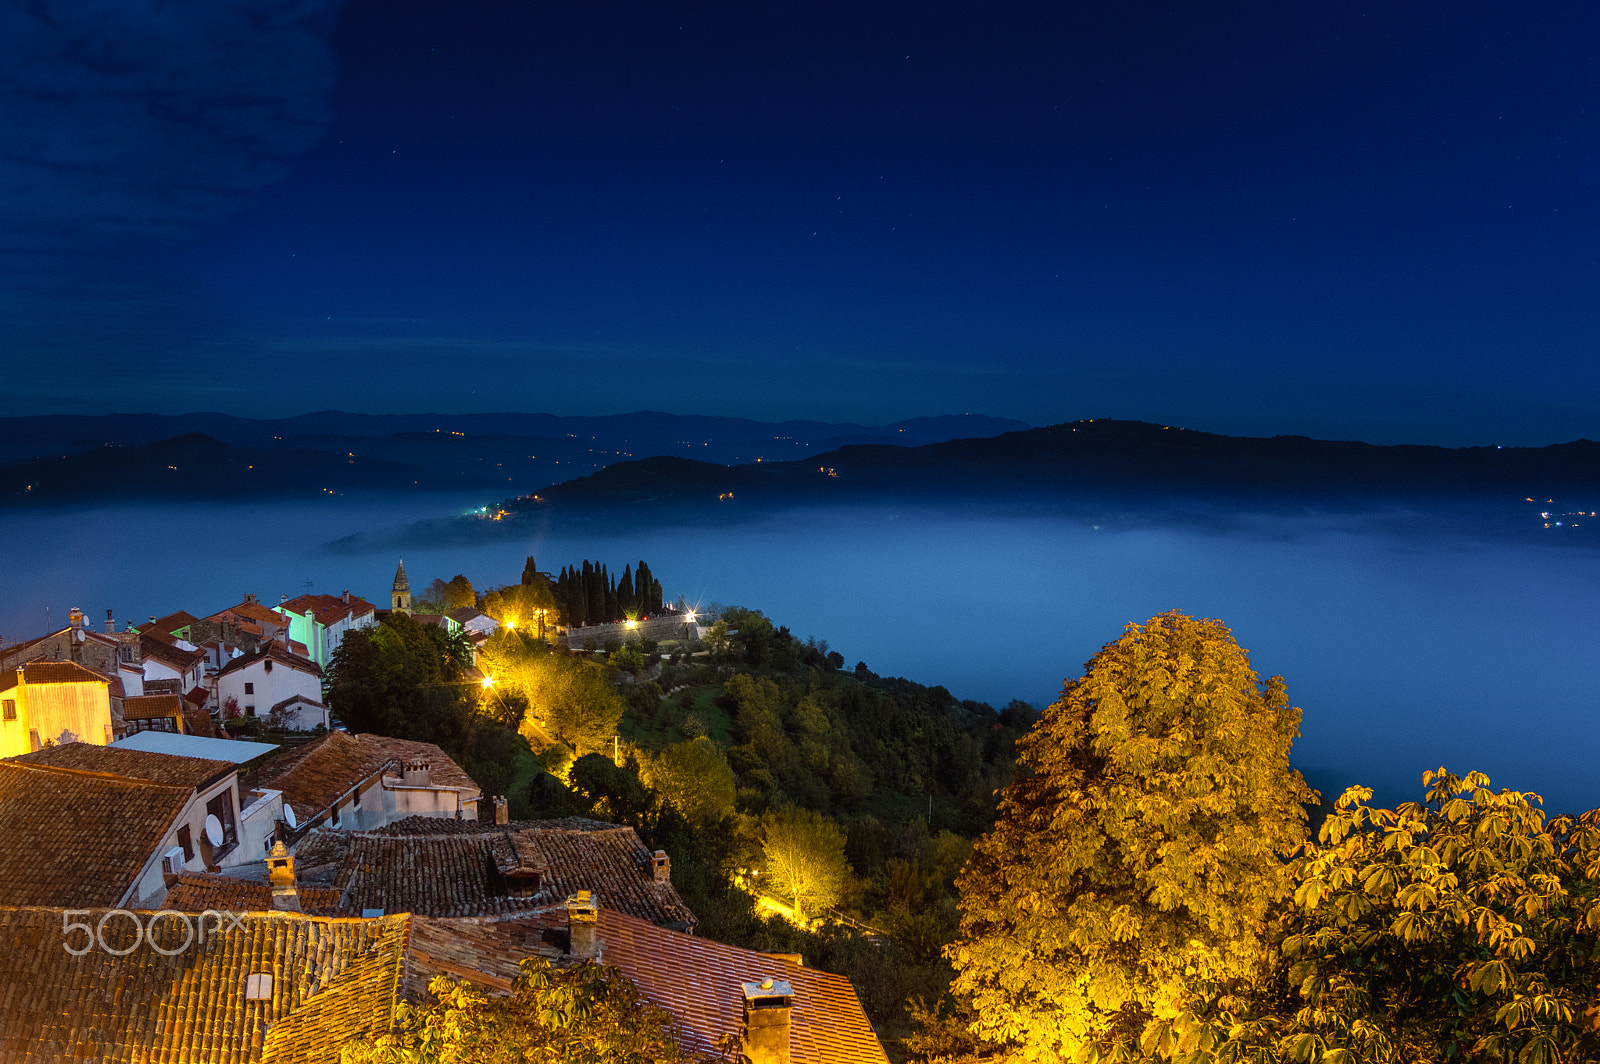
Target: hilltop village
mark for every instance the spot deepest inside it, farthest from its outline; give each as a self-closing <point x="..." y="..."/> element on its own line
<point x="257" y="840"/>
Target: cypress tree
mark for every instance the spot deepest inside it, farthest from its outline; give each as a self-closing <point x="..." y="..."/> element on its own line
<point x="530" y="571"/>
<point x="626" y="598"/>
<point x="610" y="586"/>
<point x="594" y="589"/>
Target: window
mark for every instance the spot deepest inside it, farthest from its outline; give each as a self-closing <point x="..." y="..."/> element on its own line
<point x="187" y="842"/>
<point x="258" y="987"/>
<point x="11" y="709"/>
<point x="33" y="737"/>
<point x="249" y="688"/>
<point x="249" y="711"/>
<point x="221" y="807"/>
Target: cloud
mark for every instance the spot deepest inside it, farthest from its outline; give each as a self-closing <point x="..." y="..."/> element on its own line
<point x="126" y="127"/>
<point x="147" y="119"/>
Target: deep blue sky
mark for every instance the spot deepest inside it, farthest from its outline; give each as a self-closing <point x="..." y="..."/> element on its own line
<point x="1376" y="222"/>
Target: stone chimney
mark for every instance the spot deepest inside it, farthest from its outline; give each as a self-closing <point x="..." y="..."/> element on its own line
<point x="282" y="599"/>
<point x="280" y="874"/>
<point x="416" y="773"/>
<point x="583" y="914"/>
<point x="250" y="596"/>
<point x="767" y="1008"/>
<point x="346" y="596"/>
<point x="501" y="812"/>
<point x="660" y="867"/>
<point x="111" y="625"/>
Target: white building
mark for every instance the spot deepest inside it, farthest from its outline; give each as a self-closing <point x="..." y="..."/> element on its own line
<point x="273" y="679"/>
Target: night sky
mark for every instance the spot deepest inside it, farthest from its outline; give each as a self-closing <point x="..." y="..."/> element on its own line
<point x="1355" y="221"/>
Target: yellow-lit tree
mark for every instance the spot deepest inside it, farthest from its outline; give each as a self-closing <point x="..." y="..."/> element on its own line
<point x="695" y="778"/>
<point x="1463" y="927"/>
<point x="803" y="852"/>
<point x="586" y="1014"/>
<point x="1123" y="893"/>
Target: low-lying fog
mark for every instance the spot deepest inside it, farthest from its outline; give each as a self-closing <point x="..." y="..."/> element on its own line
<point x="1405" y="651"/>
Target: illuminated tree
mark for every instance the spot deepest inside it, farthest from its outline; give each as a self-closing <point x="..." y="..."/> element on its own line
<point x="1127" y="882"/>
<point x="586" y="1014"/>
<point x="1460" y="928"/>
<point x="522" y="605"/>
<point x="803" y="852"/>
<point x="694" y="777"/>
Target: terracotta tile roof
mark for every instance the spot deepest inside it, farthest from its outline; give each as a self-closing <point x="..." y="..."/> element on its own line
<point x="430" y="825"/>
<point x="696" y="980"/>
<point x="172" y="622"/>
<point x="152" y="707"/>
<point x="77" y="840"/>
<point x="292" y="699"/>
<point x="274" y="651"/>
<point x="331" y="980"/>
<point x="481" y="873"/>
<point x="314" y="775"/>
<point x="196" y="892"/>
<point x="198" y="720"/>
<point x="327" y="609"/>
<point x="154" y="648"/>
<point x="50" y="672"/>
<point x="170" y="769"/>
<point x="249" y="611"/>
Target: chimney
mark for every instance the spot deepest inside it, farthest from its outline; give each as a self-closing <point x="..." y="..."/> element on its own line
<point x="280" y="874"/>
<point x="660" y="867"/>
<point x="250" y="596"/>
<point x="282" y="599"/>
<point x="767" y="1008"/>
<point x="75" y="615"/>
<point x="346" y="596"/>
<point x="583" y="914"/>
<point x="416" y="773"/>
<point x="501" y="814"/>
<point x="111" y="626"/>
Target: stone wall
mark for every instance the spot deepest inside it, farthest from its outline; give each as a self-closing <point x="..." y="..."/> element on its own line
<point x="671" y="626"/>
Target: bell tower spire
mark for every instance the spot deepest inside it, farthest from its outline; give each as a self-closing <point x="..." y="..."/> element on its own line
<point x="400" y="597"/>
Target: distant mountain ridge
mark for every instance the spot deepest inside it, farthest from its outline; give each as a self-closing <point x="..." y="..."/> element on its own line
<point x="206" y="455"/>
<point x="1099" y="459"/>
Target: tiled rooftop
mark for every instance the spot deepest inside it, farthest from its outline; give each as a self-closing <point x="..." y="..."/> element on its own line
<point x="469" y="873"/>
<point x="198" y="891"/>
<point x="50" y="672"/>
<point x="153" y="647"/>
<point x="74" y="839"/>
<point x="327" y="609"/>
<point x="248" y="611"/>
<point x="314" y="775"/>
<point x="152" y="707"/>
<point x="274" y="651"/>
<point x="173" y="769"/>
<point x="695" y="979"/>
<point x="331" y="980"/>
<point x="172" y="622"/>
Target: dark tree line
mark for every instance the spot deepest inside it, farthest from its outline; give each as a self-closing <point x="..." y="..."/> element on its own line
<point x="591" y="595"/>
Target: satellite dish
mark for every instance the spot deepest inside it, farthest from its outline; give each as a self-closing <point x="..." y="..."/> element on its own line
<point x="289" y="817"/>
<point x="213" y="829"/>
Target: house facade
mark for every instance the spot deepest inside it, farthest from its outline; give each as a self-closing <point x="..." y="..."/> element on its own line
<point x="44" y="702"/>
<point x="321" y="621"/>
<point x="271" y="680"/>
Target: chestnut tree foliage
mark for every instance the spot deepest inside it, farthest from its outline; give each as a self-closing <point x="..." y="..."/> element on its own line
<point x="1459" y="928"/>
<point x="586" y="1014"/>
<point x="1122" y="897"/>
